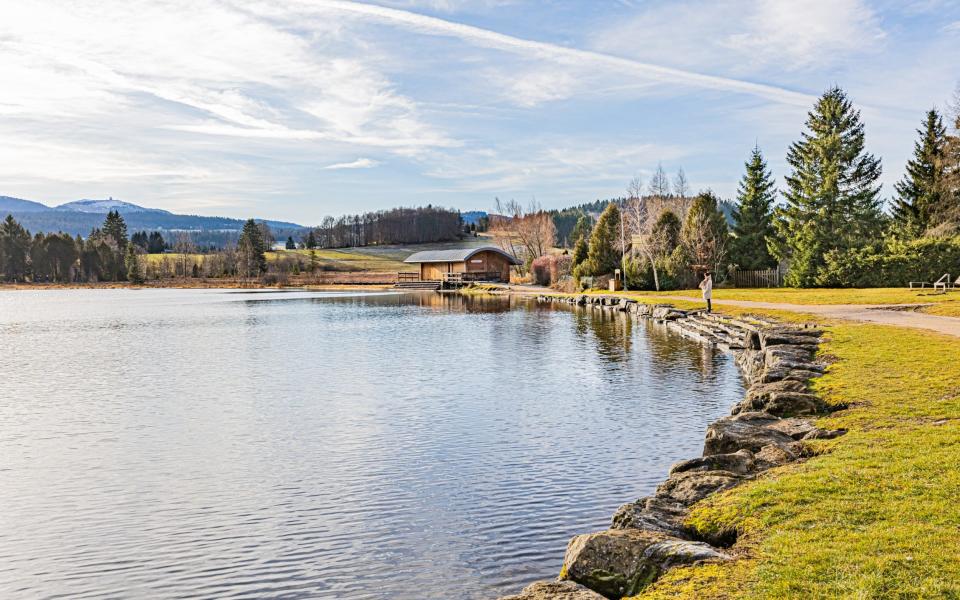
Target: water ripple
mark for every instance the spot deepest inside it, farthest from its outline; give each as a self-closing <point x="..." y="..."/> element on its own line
<point x="200" y="443"/>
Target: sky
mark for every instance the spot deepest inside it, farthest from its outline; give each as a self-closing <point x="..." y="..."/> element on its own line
<point x="299" y="109"/>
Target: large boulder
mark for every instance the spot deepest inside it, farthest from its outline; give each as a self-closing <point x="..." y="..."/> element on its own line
<point x="740" y="462"/>
<point x="780" y="337"/>
<point x="745" y="431"/>
<point x="783" y="398"/>
<point x="776" y="455"/>
<point x="652" y="513"/>
<point x="801" y="372"/>
<point x="555" y="590"/>
<point x="622" y="562"/>
<point x="690" y="487"/>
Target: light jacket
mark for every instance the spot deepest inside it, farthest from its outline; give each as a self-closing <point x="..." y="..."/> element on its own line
<point x="707" y="286"/>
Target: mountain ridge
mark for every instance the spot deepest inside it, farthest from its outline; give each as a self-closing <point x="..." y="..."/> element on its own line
<point x="78" y="217"/>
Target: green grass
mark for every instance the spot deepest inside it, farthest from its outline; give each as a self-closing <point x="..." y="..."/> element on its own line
<point x="351" y="259"/>
<point x="876" y="513"/>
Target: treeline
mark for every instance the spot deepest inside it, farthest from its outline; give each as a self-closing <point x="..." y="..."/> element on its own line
<point x="396" y="226"/>
<point x="108" y="254"/>
<point x="830" y="230"/>
<point x="59" y="257"/>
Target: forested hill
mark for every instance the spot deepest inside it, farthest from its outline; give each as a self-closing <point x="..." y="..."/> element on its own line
<point x="78" y="218"/>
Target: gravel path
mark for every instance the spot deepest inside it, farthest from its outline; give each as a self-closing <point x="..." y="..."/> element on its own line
<point x="884" y="314"/>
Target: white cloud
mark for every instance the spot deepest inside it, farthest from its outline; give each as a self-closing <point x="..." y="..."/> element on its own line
<point x="747" y="37"/>
<point x="360" y="163"/>
<point x="952" y="27"/>
<point x="804" y="34"/>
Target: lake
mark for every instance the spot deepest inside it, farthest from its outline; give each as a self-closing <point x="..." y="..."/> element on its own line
<point x="185" y="443"/>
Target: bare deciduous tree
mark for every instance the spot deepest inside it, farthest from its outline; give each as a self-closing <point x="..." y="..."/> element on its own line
<point x="524" y="233"/>
<point x="659" y="184"/>
<point x="681" y="187"/>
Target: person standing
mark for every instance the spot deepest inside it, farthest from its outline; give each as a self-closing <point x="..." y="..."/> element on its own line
<point x="707" y="286"/>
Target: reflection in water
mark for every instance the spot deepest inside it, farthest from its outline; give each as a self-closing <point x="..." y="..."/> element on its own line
<point x="170" y="443"/>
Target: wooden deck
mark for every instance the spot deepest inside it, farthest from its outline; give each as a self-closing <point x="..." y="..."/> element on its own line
<point x="411" y="281"/>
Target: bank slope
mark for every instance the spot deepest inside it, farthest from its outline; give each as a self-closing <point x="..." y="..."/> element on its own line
<point x="876" y="514"/>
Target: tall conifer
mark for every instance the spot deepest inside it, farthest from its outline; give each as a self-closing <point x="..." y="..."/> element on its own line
<point x="752" y="218"/>
<point x="920" y="195"/>
<point x="832" y="197"/>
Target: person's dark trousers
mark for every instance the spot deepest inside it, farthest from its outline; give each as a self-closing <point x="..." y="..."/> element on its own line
<point x="709" y="306"/>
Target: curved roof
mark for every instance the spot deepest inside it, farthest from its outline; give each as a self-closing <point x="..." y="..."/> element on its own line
<point x="456" y="255"/>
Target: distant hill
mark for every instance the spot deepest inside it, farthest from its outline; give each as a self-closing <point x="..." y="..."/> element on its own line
<point x="81" y="216"/>
<point x="8" y="204"/>
<point x="102" y="207"/>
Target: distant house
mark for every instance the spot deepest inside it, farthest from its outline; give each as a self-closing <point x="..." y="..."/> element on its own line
<point x="464" y="264"/>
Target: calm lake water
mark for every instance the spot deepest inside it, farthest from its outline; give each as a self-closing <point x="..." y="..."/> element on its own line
<point x="205" y="443"/>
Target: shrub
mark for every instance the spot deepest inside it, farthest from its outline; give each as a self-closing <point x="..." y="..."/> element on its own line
<point x="550" y="269"/>
<point x="894" y="264"/>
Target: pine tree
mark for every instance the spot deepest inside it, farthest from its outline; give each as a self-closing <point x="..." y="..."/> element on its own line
<point x="603" y="256"/>
<point x="832" y="200"/>
<point x="251" y="248"/>
<point x="14" y="249"/>
<point x="581" y="230"/>
<point x="132" y="263"/>
<point x="155" y="243"/>
<point x="115" y="228"/>
<point x="665" y="234"/>
<point x="705" y="235"/>
<point x="921" y="193"/>
<point x="290" y="245"/>
<point x="311" y="241"/>
<point x="580" y="250"/>
<point x="752" y="218"/>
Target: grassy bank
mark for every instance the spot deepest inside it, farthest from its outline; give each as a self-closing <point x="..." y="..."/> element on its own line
<point x="876" y="513"/>
<point x="944" y="303"/>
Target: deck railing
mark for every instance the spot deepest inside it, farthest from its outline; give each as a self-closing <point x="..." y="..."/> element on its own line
<point x="764" y="278"/>
<point x="404" y="276"/>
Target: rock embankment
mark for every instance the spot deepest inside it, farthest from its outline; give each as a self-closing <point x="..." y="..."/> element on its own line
<point x="766" y="429"/>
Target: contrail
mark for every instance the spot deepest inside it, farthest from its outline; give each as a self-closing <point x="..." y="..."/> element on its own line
<point x="573" y="56"/>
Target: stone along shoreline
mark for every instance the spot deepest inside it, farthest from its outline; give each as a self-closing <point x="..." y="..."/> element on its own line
<point x="766" y="429"/>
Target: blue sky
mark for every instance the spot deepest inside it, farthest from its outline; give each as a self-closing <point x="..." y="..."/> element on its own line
<point x="295" y="110"/>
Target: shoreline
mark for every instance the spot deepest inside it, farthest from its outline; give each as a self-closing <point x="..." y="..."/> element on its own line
<point x="653" y="535"/>
<point x="188" y="284"/>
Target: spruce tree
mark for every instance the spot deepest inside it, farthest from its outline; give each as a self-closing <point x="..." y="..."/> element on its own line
<point x="290" y="245"/>
<point x="752" y="218"/>
<point x="704" y="236"/>
<point x="132" y="263"/>
<point x="251" y="248"/>
<point x="603" y="256"/>
<point x="115" y="228"/>
<point x="665" y="234"/>
<point x="581" y="230"/>
<point x="580" y="250"/>
<point x="832" y="197"/>
<point x="920" y="195"/>
<point x="14" y="249"/>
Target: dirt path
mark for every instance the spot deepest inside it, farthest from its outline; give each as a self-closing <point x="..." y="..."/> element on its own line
<point x="884" y="314"/>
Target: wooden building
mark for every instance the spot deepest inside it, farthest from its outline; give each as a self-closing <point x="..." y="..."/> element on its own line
<point x="463" y="264"/>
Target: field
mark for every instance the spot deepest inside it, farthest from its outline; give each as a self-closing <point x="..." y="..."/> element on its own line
<point x="368" y="259"/>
